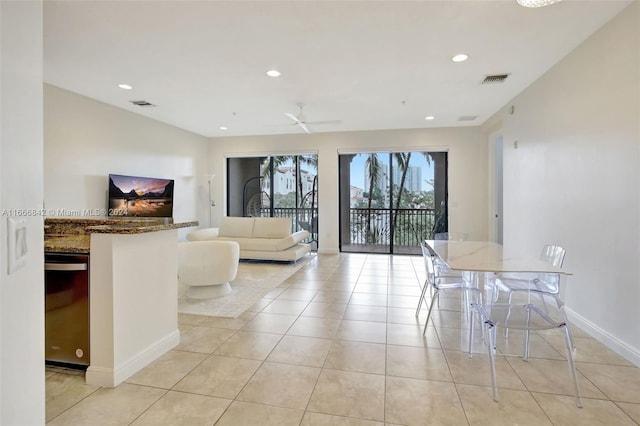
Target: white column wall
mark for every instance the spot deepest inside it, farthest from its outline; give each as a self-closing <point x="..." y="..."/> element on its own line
<point x="134" y="303"/>
<point x="467" y="149"/>
<point x="22" y="397"/>
<point x="573" y="179"/>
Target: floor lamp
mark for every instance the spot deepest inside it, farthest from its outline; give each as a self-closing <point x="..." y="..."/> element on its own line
<point x="211" y="203"/>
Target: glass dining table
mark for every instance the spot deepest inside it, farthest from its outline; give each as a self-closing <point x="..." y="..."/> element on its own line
<point x="490" y="257"/>
<point x="481" y="262"/>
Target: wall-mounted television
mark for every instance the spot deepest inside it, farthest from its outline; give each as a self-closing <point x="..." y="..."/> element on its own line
<point x="140" y="196"/>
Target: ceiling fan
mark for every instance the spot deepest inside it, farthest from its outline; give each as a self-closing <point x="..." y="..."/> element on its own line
<point x="300" y="120"/>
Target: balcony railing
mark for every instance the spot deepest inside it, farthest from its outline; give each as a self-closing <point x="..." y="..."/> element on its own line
<point x="411" y="227"/>
<point x="301" y="218"/>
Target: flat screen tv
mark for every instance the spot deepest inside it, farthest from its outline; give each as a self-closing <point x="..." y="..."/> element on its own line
<point x="140" y="196"/>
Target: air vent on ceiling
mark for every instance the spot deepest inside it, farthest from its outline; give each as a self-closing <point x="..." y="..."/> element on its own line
<point x="467" y="118"/>
<point x="142" y="104"/>
<point x="495" y="78"/>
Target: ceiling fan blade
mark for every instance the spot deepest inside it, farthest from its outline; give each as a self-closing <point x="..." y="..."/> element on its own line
<point x="293" y="117"/>
<point x="304" y="126"/>
<point x="325" y="122"/>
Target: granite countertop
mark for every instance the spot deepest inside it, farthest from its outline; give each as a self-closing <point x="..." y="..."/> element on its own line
<point x="131" y="228"/>
<point x="73" y="235"/>
<point x="79" y="243"/>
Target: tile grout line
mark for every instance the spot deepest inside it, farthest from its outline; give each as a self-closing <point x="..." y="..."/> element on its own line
<point x="337" y="269"/>
<point x="263" y="363"/>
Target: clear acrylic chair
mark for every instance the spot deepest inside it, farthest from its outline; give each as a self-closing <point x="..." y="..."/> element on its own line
<point x="450" y="236"/>
<point x="527" y="312"/>
<point x="441" y="268"/>
<point x="539" y="283"/>
<point x="553" y="255"/>
<point x="437" y="283"/>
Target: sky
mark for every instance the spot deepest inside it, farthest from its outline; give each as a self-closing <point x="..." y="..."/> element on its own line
<point x="417" y="159"/>
<point x="141" y="185"/>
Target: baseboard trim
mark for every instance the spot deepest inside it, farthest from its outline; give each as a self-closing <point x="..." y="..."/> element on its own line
<point x="618" y="346"/>
<point x="328" y="251"/>
<point x="112" y="377"/>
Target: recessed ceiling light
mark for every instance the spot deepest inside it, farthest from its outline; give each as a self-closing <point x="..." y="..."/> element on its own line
<point x="125" y="86"/>
<point x="223" y="128"/>
<point x="536" y="3"/>
<point x="429" y="117"/>
<point x="460" y="58"/>
<point x="273" y="73"/>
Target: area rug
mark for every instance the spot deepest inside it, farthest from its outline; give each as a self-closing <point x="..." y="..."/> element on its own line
<point x="254" y="281"/>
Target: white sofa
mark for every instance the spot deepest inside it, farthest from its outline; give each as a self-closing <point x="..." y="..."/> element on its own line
<point x="260" y="238"/>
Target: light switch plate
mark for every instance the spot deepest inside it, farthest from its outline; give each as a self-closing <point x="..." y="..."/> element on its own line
<point x="17" y="243"/>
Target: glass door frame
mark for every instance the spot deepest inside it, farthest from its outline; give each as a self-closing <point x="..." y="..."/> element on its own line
<point x="238" y="207"/>
<point x="439" y="161"/>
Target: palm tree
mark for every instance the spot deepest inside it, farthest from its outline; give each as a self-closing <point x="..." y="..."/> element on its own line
<point x="265" y="175"/>
<point x="297" y="161"/>
<point x="311" y="160"/>
<point x="402" y="159"/>
<point x="374" y="168"/>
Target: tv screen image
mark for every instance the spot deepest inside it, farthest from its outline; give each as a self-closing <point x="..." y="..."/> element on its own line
<point x="140" y="196"/>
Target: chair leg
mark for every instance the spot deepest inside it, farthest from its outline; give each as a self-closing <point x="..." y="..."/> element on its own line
<point x="482" y="329"/>
<point x="572" y="365"/>
<point x="525" y="357"/>
<point x="491" y="330"/>
<point x="472" y="310"/>
<point x="436" y="296"/>
<point x="573" y="343"/>
<point x="424" y="290"/>
<point x="506" y="329"/>
<point x="566" y="321"/>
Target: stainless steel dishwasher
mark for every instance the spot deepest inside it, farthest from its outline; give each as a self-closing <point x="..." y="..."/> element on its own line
<point x="67" y="309"/>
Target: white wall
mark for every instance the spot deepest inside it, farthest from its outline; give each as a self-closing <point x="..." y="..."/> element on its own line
<point x="21" y="293"/>
<point x="133" y="281"/>
<point x="574" y="178"/>
<point x="467" y="149"/>
<point x="85" y="140"/>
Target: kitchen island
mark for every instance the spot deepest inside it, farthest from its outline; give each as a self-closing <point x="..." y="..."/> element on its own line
<point x="133" y="289"/>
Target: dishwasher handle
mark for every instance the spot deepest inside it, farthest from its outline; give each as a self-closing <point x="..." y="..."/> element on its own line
<point x="65" y="266"/>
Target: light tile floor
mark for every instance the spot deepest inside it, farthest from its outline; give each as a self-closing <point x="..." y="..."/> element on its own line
<point x="338" y="343"/>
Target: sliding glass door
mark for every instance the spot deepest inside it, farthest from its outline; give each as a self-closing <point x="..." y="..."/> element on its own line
<point x="390" y="202"/>
<point x="365" y="221"/>
<point x="275" y="186"/>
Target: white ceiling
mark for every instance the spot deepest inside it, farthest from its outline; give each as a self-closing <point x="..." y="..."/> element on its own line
<point x="370" y="64"/>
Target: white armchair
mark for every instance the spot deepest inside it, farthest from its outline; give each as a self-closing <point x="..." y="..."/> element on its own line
<point x="207" y="267"/>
